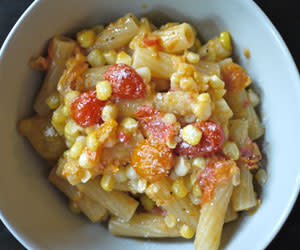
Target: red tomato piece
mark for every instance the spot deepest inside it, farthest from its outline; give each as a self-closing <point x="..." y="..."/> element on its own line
<point x="153" y="125"/>
<point x="152" y="40"/>
<point x="212" y="141"/>
<point x="86" y="109"/>
<point x="125" y="81"/>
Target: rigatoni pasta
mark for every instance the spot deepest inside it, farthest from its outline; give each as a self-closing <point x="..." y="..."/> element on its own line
<point x="151" y="130"/>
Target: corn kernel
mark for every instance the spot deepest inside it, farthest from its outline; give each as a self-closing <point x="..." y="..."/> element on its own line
<point x="70" y="97"/>
<point x="179" y="188"/>
<point x="231" y="150"/>
<point x="147" y="203"/>
<point x="121" y="176"/>
<point x="96" y="58"/>
<point x="92" y="141"/>
<point x="131" y="174"/>
<point x="53" y="101"/>
<point x="216" y="82"/>
<point x="145" y="73"/>
<point x="188" y="84"/>
<point x="66" y="110"/>
<point x="199" y="162"/>
<point x="192" y="57"/>
<point x="169" y="118"/>
<point x="175" y="79"/>
<point x="186" y="231"/>
<point x="58" y="116"/>
<point x="129" y="124"/>
<point x="191" y="134"/>
<point x="194" y="177"/>
<point x="86" y="176"/>
<point x="110" y="56"/>
<point x="107" y="182"/>
<point x="170" y="220"/>
<point x="225" y="40"/>
<point x="253" y="98"/>
<point x="86" y="38"/>
<point x="202" y="109"/>
<point x="84" y="161"/>
<point x="182" y="166"/>
<point x="197" y="192"/>
<point x="74" y="207"/>
<point x="198" y="44"/>
<point x="104" y="90"/>
<point x="110" y="111"/>
<point x="123" y="57"/>
<point x="138" y="185"/>
<point x="172" y="142"/>
<point x="72" y="129"/>
<point x="77" y="147"/>
<point x="261" y="177"/>
<point x="97" y="29"/>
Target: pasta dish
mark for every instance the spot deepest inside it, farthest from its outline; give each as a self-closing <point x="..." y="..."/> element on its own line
<point x="149" y="129"/>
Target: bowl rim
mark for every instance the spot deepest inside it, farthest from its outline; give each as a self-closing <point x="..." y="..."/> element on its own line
<point x="294" y="70"/>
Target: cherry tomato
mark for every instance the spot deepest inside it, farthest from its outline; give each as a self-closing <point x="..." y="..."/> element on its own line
<point x="125" y="81"/>
<point x="235" y="77"/>
<point x="152" y="160"/>
<point x="86" y="109"/>
<point x="212" y="141"/>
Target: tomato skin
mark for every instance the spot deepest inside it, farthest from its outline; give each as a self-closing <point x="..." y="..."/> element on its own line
<point x="86" y="109"/>
<point x="125" y="81"/>
<point x="212" y="140"/>
<point x="153" y="125"/>
<point x="235" y="77"/>
<point x="152" y="160"/>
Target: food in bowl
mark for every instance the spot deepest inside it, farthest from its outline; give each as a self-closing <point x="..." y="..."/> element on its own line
<point x="149" y="129"/>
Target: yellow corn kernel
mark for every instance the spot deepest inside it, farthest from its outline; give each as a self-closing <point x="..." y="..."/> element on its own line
<point x="110" y="56"/>
<point x="186" y="231"/>
<point x="58" y="116"/>
<point x="84" y="161"/>
<point x="231" y="150"/>
<point x="53" y="101"/>
<point x="97" y="29"/>
<point x="199" y="162"/>
<point x="96" y="58"/>
<point x="123" y="57"/>
<point x="145" y="73"/>
<point x="188" y="84"/>
<point x="179" y="188"/>
<point x="86" y="38"/>
<point x="197" y="190"/>
<point x="194" y="177"/>
<point x="104" y="90"/>
<point x="170" y="220"/>
<point x="131" y="174"/>
<point x="175" y="79"/>
<point x="92" y="141"/>
<point x="198" y="44"/>
<point x="107" y="182"/>
<point x="74" y="207"/>
<point x="72" y="129"/>
<point x="169" y="118"/>
<point x="121" y="176"/>
<point x="202" y="108"/>
<point x="172" y="142"/>
<point x="191" y="134"/>
<point x="70" y="97"/>
<point x="77" y="147"/>
<point x="129" y="124"/>
<point x="110" y="111"/>
<point x="195" y="200"/>
<point x="225" y="40"/>
<point x="147" y="203"/>
<point x="216" y="82"/>
<point x="192" y="57"/>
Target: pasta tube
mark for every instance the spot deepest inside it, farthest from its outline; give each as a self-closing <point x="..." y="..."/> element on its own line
<point x="210" y="226"/>
<point x="142" y="225"/>
<point x="63" y="49"/>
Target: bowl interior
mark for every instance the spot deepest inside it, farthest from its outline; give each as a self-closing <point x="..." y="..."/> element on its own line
<point x="35" y="211"/>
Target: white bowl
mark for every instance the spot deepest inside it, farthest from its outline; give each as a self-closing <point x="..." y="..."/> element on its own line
<point x="35" y="212"/>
